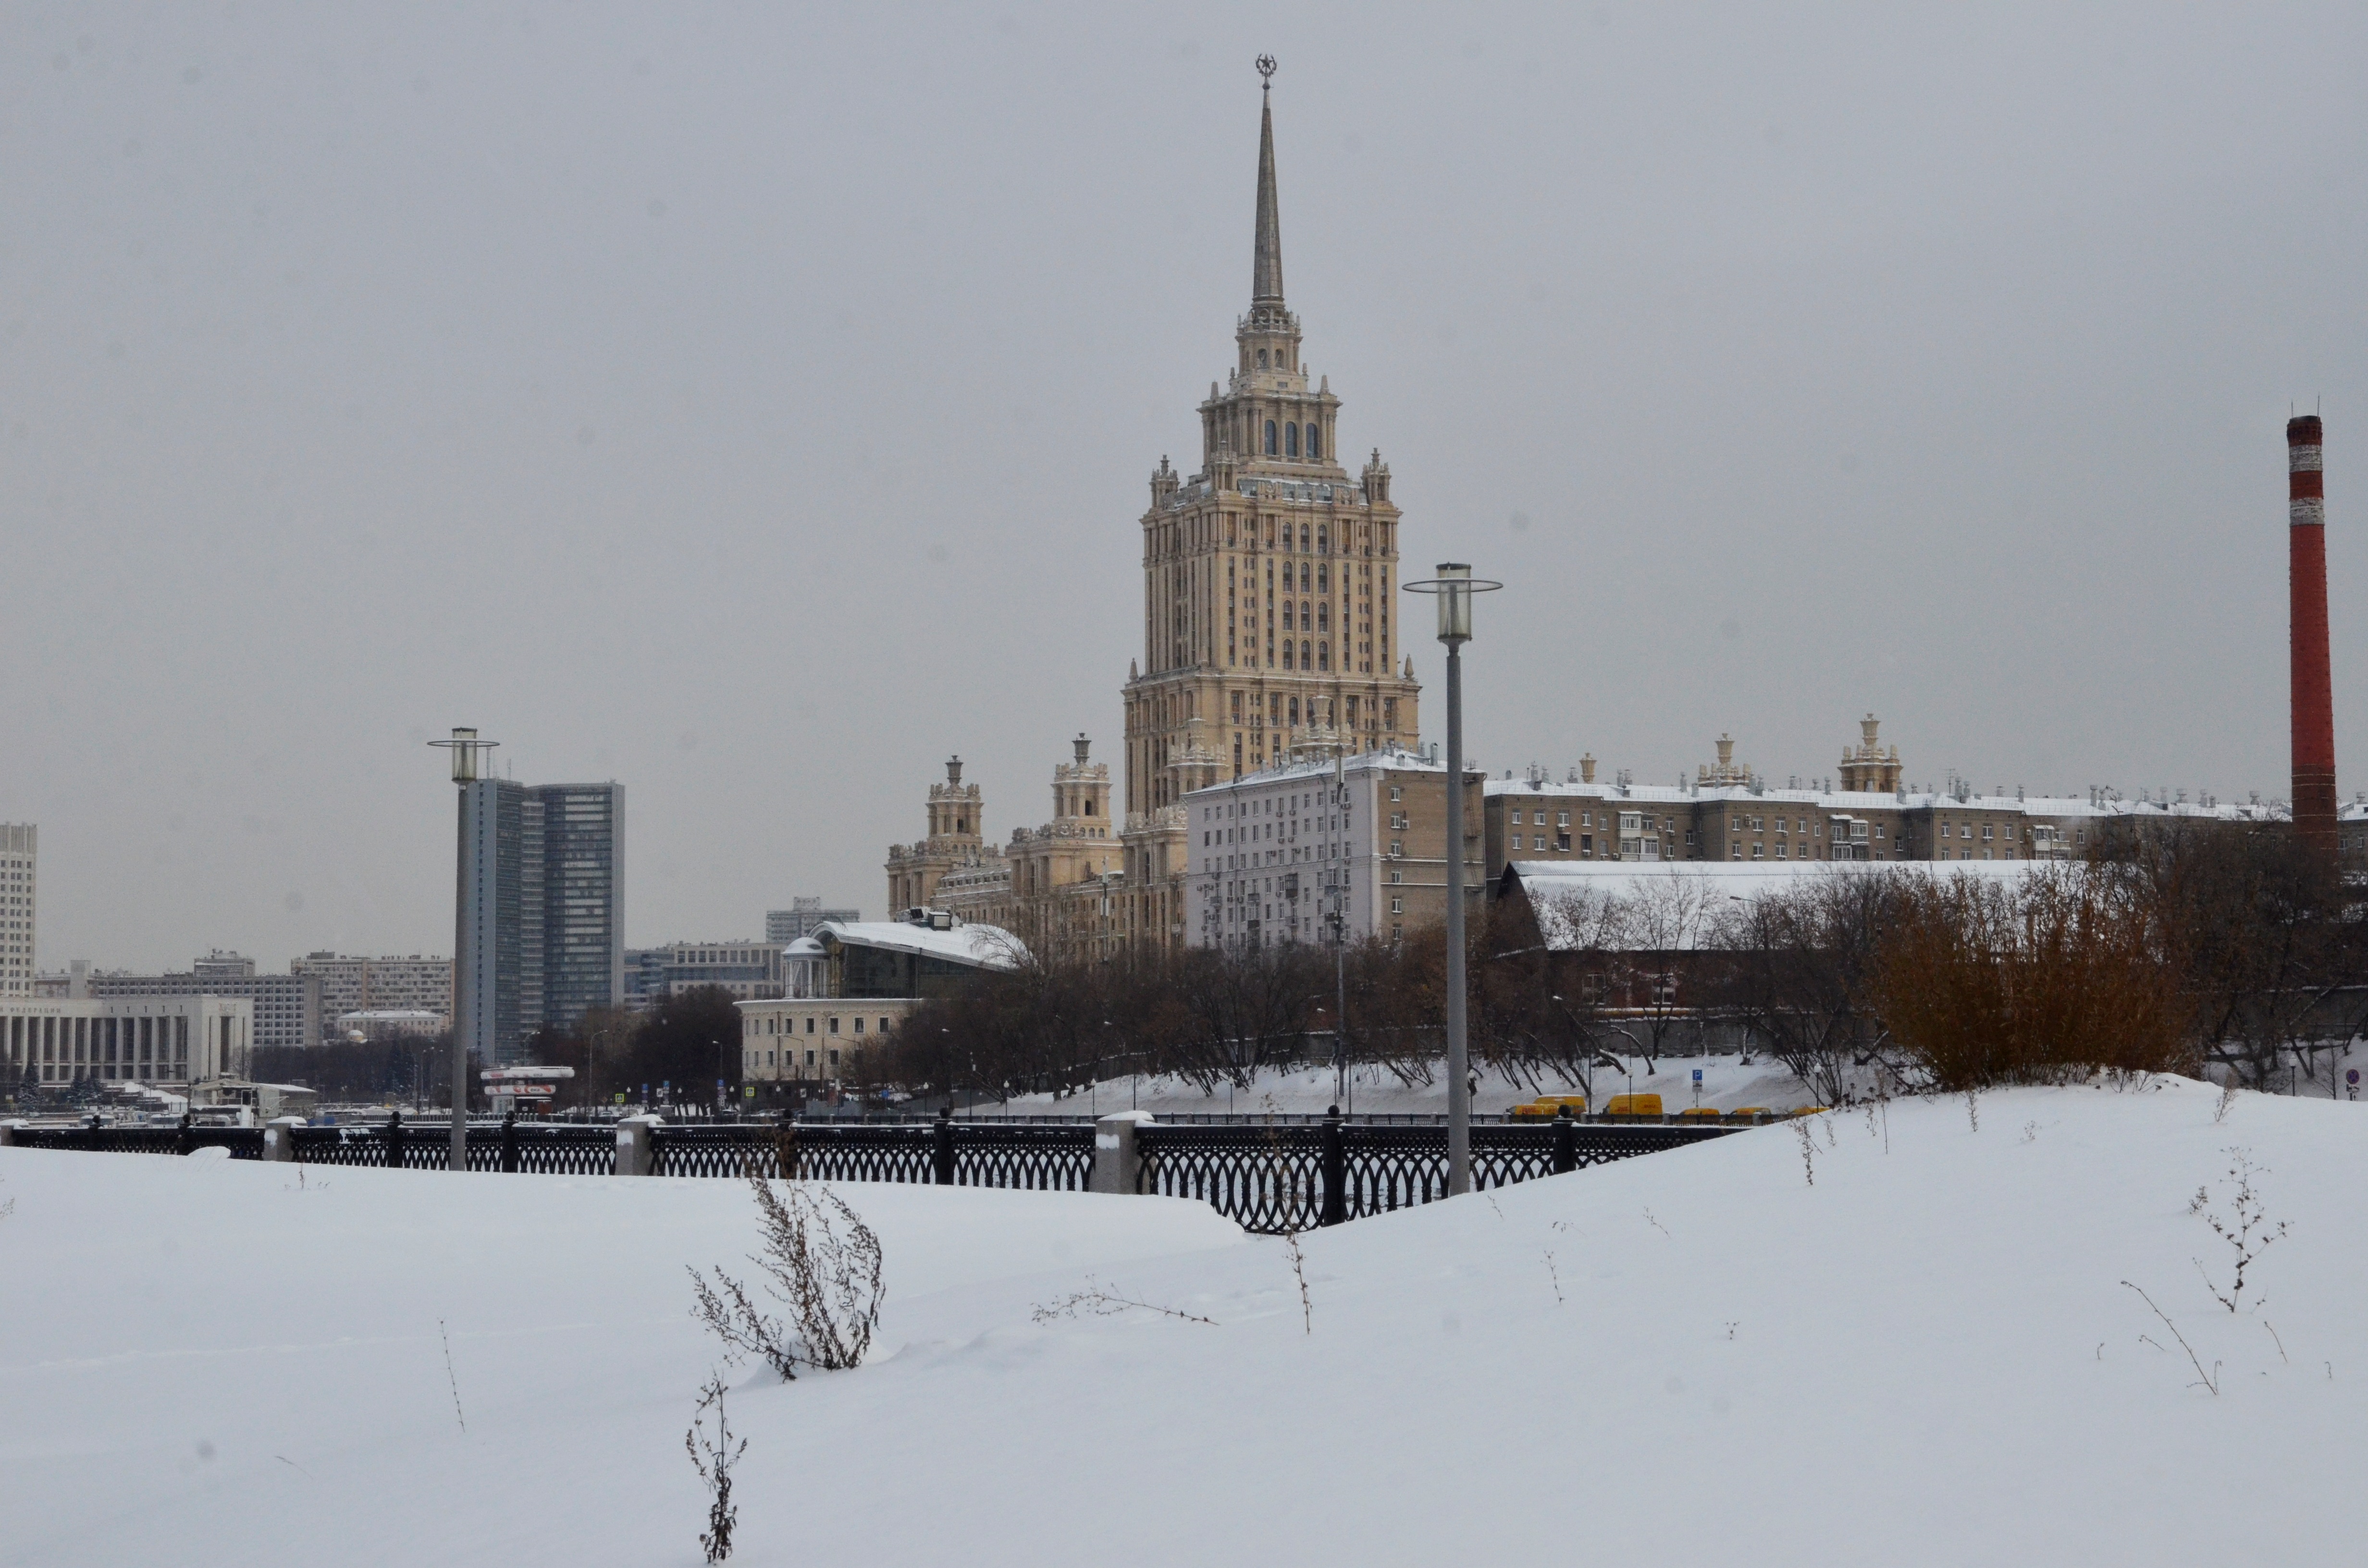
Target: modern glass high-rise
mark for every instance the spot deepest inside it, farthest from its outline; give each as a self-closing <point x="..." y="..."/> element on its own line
<point x="543" y="899"/>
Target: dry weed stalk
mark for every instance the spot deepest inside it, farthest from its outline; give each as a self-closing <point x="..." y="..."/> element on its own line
<point x="1105" y="1303"/>
<point x="2201" y="1376"/>
<point x="1809" y="1149"/>
<point x="1553" y="1276"/>
<point x="2247" y="1231"/>
<point x="714" y="1457"/>
<point x="821" y="1261"/>
<point x="447" y="1336"/>
<point x="1299" y="1272"/>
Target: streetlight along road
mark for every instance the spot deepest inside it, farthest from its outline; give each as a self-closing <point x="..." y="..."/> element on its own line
<point x="1454" y="587"/>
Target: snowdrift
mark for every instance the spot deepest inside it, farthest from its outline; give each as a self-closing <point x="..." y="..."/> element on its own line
<point x="1878" y="1338"/>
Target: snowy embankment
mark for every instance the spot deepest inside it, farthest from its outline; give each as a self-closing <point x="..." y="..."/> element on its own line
<point x="1926" y="1356"/>
<point x="1729" y="1083"/>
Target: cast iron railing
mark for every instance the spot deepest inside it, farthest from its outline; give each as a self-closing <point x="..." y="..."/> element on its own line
<point x="1297" y="1177"/>
<point x="1281" y="1176"/>
<point x="244" y="1142"/>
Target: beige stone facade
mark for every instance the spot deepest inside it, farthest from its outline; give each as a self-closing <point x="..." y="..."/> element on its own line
<point x="813" y="1040"/>
<point x="955" y="843"/>
<point x="1270" y="595"/>
<point x="1270" y="581"/>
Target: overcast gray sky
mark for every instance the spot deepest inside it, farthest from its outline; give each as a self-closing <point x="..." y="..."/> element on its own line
<point x="754" y="404"/>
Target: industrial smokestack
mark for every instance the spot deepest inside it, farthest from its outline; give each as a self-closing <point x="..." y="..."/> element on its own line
<point x="2312" y="689"/>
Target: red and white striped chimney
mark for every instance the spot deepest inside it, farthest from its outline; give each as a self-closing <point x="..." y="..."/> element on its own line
<point x="2311" y="693"/>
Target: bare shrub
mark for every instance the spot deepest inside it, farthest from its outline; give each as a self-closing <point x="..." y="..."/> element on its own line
<point x="2042" y="981"/>
<point x="821" y="1262"/>
<point x="714" y="1454"/>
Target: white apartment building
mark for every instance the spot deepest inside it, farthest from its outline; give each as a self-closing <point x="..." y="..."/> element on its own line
<point x="287" y="1007"/>
<point x="1316" y="850"/>
<point x="17" y="842"/>
<point x="745" y="971"/>
<point x="166" y="1041"/>
<point x="351" y="983"/>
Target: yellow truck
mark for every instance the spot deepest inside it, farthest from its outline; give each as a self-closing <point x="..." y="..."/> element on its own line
<point x="1546" y="1107"/>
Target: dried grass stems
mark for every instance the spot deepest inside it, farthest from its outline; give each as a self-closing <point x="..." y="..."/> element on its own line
<point x="1099" y="1300"/>
<point x="714" y="1454"/>
<point x="1808" y="1149"/>
<point x="820" y="1261"/>
<point x="1299" y="1272"/>
<point x="2208" y="1380"/>
<point x="446" y="1335"/>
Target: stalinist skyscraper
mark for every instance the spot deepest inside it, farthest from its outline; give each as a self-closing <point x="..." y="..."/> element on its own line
<point x="1268" y="586"/>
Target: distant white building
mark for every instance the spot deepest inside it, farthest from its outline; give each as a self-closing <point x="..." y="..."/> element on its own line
<point x="852" y="984"/>
<point x="351" y="983"/>
<point x="802" y="919"/>
<point x="1321" y="848"/>
<point x="161" y="1040"/>
<point x="18" y="842"/>
<point x="287" y="1007"/>
<point x="387" y="1023"/>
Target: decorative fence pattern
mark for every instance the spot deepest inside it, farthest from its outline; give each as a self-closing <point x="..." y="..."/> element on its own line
<point x="511" y="1146"/>
<point x="1281" y="1176"/>
<point x="1295" y="1177"/>
<point x="244" y="1142"/>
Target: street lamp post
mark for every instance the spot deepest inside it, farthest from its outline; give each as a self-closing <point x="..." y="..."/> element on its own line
<point x="465" y="746"/>
<point x="1454" y="587"/>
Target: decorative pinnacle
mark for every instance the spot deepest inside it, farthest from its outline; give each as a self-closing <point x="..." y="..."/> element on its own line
<point x="1266" y="71"/>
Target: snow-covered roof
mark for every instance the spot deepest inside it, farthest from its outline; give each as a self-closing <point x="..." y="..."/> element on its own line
<point x="804" y="948"/>
<point x="980" y="947"/>
<point x="1394" y="760"/>
<point x="2099" y="806"/>
<point x="1674" y="902"/>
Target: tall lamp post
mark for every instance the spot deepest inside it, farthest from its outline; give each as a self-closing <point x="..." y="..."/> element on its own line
<point x="1454" y="587"/>
<point x="465" y="748"/>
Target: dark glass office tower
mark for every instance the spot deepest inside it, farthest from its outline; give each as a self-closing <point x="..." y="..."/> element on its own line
<point x="542" y="895"/>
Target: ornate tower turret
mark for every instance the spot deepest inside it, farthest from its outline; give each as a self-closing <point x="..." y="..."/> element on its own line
<point x="1268" y="588"/>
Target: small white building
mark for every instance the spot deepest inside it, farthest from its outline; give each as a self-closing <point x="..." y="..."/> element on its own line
<point x="389" y="1023"/>
<point x="851" y="985"/>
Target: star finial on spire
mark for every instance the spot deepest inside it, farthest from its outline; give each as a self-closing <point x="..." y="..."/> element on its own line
<point x="1266" y="276"/>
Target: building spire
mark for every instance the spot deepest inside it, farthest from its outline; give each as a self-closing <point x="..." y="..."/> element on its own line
<point x="1266" y="278"/>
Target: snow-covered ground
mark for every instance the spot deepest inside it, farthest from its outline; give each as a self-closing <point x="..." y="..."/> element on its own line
<point x="1728" y="1083"/>
<point x="1699" y="1357"/>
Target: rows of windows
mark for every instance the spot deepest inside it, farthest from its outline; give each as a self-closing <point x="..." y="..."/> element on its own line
<point x="779" y="1025"/>
<point x="1289" y="446"/>
<point x="790" y="1059"/>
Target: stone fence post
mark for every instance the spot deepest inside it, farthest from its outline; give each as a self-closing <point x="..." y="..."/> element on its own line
<point x="1118" y="1166"/>
<point x="279" y="1137"/>
<point x="636" y="1145"/>
<point x="8" y="1133"/>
